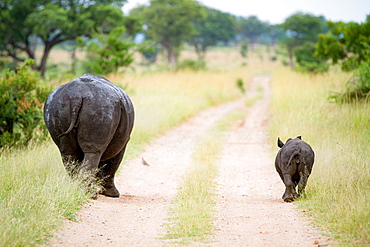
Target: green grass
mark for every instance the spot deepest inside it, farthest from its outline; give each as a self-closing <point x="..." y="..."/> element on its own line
<point x="193" y="209"/>
<point x="338" y="191"/>
<point x="35" y="195"/>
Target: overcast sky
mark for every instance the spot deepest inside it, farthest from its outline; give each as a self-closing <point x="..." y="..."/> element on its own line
<point x="276" y="11"/>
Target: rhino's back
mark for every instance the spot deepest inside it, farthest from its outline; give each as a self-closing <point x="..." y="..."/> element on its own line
<point x="297" y="146"/>
<point x="92" y="106"/>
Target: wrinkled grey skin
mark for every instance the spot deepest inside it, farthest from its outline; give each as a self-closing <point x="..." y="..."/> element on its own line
<point x="294" y="163"/>
<point x="90" y="120"/>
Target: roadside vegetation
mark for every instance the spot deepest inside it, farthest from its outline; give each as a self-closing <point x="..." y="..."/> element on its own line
<point x="35" y="195"/>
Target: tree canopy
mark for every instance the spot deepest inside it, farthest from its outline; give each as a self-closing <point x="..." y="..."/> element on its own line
<point x="251" y="28"/>
<point x="217" y="26"/>
<point x="301" y="28"/>
<point x="52" y="22"/>
<point x="346" y="43"/>
<point x="170" y="23"/>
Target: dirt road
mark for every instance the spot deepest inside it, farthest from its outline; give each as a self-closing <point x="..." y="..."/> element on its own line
<point x="250" y="208"/>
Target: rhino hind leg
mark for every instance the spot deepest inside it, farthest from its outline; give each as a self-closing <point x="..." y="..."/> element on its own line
<point x="71" y="164"/>
<point x="290" y="191"/>
<point x="303" y="181"/>
<point x="108" y="169"/>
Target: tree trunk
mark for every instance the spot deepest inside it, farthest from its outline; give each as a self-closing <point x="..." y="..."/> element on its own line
<point x="171" y="56"/>
<point x="199" y="51"/>
<point x="74" y="60"/>
<point x="47" y="48"/>
<point x="291" y="58"/>
<point x="42" y="66"/>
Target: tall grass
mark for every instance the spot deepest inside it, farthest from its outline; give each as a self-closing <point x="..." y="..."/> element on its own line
<point x="35" y="195"/>
<point x="193" y="209"/>
<point x="338" y="191"/>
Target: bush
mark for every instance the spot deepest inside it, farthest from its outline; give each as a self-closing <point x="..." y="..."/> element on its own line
<point x="358" y="87"/>
<point x="21" y="103"/>
<point x="189" y="64"/>
<point x="240" y="85"/>
<point x="306" y="60"/>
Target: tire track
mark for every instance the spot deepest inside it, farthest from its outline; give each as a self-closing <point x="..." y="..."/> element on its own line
<point x="250" y="209"/>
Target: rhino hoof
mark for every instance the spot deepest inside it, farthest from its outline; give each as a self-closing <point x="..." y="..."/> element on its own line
<point x="288" y="199"/>
<point x="111" y="192"/>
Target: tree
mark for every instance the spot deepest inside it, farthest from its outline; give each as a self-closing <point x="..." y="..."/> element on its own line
<point x="346" y="43"/>
<point x="52" y="22"/>
<point x="273" y="34"/>
<point x="170" y="23"/>
<point x="301" y="28"/>
<point x="251" y="28"/>
<point x="107" y="53"/>
<point x="217" y="26"/>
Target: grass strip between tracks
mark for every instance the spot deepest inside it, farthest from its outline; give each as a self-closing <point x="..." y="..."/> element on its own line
<point x="193" y="208"/>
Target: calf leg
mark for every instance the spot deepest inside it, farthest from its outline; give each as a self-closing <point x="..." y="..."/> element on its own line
<point x="290" y="193"/>
<point x="108" y="169"/>
<point x="303" y="181"/>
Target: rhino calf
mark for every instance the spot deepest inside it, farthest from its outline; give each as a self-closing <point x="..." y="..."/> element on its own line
<point x="90" y="120"/>
<point x="294" y="163"/>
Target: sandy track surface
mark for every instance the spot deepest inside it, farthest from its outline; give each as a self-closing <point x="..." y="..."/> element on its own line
<point x="250" y="208"/>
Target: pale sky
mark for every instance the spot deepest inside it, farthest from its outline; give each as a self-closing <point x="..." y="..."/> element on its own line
<point x="276" y="11"/>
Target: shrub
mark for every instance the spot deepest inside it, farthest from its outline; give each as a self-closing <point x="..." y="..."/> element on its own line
<point x="240" y="85"/>
<point x="307" y="61"/>
<point x="106" y="54"/>
<point x="189" y="64"/>
<point x="358" y="87"/>
<point x="21" y="101"/>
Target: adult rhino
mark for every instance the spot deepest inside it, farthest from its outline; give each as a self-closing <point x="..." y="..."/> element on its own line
<point x="294" y="163"/>
<point x="90" y="120"/>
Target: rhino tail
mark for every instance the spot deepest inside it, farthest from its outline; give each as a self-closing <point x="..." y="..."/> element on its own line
<point x="75" y="109"/>
<point x="295" y="153"/>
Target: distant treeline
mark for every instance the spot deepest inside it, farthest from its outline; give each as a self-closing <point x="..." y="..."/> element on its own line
<point x="306" y="42"/>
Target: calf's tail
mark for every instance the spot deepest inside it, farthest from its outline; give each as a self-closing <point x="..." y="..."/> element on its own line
<point x="295" y="153"/>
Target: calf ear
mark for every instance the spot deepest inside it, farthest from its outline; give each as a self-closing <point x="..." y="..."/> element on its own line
<point x="280" y="143"/>
<point x="299" y="137"/>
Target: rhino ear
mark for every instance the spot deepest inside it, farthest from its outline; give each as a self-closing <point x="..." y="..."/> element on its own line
<point x="280" y="143"/>
<point x="299" y="137"/>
